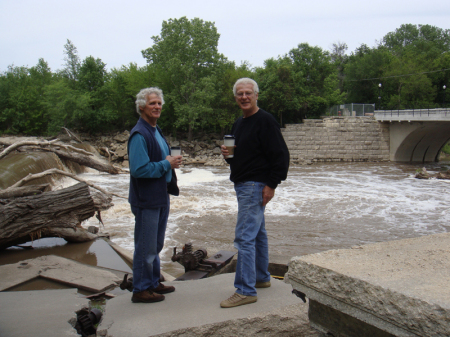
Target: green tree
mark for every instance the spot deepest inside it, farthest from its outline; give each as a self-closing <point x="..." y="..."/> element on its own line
<point x="363" y="72"/>
<point x="72" y="65"/>
<point x="406" y="74"/>
<point x="120" y="93"/>
<point x="64" y="105"/>
<point x="420" y="39"/>
<point x="13" y="99"/>
<point x="281" y="89"/>
<point x="226" y="110"/>
<point x="186" y="53"/>
<point x="92" y="76"/>
<point x="21" y="103"/>
<point x="301" y="84"/>
<point x="339" y="58"/>
<point x="320" y="81"/>
<point x="442" y="78"/>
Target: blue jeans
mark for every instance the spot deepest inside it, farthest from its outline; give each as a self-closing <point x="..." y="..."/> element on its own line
<point x="149" y="232"/>
<point x="250" y="239"/>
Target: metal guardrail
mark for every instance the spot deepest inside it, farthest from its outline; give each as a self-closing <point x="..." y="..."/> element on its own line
<point x="437" y="114"/>
<point x="351" y="109"/>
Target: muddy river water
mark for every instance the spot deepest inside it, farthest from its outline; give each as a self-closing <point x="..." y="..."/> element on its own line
<point x="319" y="207"/>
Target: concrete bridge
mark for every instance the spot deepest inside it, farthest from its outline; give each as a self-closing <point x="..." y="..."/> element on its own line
<point x="416" y="135"/>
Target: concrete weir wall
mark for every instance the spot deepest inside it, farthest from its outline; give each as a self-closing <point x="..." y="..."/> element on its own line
<point x="335" y="139"/>
<point x="396" y="288"/>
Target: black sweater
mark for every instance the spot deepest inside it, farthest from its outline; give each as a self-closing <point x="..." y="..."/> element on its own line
<point x="261" y="153"/>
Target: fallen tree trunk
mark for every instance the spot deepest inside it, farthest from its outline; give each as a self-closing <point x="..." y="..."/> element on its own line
<point x="49" y="214"/>
<point x="23" y="191"/>
<point x="85" y="160"/>
<point x="71" y="153"/>
<point x="31" y="177"/>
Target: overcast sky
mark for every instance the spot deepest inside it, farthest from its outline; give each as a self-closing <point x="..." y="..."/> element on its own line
<point x="116" y="31"/>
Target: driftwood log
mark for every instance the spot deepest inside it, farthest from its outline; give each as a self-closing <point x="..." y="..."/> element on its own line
<point x="31" y="177"/>
<point x="71" y="153"/>
<point x="57" y="213"/>
<point x="23" y="191"/>
<point x="85" y="161"/>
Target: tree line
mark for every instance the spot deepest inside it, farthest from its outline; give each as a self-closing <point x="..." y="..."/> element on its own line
<point x="408" y="68"/>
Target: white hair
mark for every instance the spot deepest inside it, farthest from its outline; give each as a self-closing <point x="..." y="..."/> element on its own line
<point x="141" y="97"/>
<point x="246" y="80"/>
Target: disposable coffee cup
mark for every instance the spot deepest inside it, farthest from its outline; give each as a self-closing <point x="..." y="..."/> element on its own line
<point x="175" y="151"/>
<point x="228" y="141"/>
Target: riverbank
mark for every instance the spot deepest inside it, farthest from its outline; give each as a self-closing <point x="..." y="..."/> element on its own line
<point x="113" y="147"/>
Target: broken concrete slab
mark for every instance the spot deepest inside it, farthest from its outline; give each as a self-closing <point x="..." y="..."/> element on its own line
<point x="289" y="321"/>
<point x="40" y="313"/>
<point x="400" y="287"/>
<point x="195" y="307"/>
<point x="58" y="269"/>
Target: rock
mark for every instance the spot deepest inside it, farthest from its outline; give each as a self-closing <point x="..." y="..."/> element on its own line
<point x="93" y="229"/>
<point x="443" y="175"/>
<point x="121" y="151"/>
<point x="422" y="174"/>
<point x="218" y="161"/>
<point x="122" y="137"/>
<point x="205" y="151"/>
<point x="184" y="144"/>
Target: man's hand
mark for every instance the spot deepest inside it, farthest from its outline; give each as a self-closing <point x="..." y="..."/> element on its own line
<point x="224" y="150"/>
<point x="268" y="194"/>
<point x="175" y="161"/>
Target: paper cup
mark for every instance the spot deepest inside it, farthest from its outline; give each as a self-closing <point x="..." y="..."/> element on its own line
<point x="175" y="151"/>
<point x="229" y="141"/>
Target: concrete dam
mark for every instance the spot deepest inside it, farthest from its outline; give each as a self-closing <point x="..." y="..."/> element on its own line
<point x="368" y="138"/>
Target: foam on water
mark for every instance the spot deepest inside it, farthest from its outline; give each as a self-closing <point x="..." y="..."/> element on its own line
<point x="355" y="203"/>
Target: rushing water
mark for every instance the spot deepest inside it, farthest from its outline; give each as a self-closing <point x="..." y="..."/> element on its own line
<point x="319" y="207"/>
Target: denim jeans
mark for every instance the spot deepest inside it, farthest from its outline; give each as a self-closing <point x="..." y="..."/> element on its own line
<point x="149" y="232"/>
<point x="250" y="239"/>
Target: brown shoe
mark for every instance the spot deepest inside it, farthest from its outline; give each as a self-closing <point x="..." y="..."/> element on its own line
<point x="162" y="289"/>
<point x="262" y="284"/>
<point x="237" y="300"/>
<point x="146" y="297"/>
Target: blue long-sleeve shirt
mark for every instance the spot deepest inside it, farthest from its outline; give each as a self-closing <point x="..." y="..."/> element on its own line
<point x="140" y="164"/>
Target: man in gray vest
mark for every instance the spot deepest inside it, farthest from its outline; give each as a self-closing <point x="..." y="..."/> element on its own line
<point x="152" y="179"/>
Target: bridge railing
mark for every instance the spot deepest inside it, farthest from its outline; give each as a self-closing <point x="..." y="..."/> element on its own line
<point x="413" y="114"/>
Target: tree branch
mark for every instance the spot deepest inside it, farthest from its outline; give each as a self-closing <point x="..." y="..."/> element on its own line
<point x="30" y="177"/>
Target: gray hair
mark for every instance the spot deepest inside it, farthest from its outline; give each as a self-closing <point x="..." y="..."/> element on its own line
<point x="141" y="97"/>
<point x="246" y="80"/>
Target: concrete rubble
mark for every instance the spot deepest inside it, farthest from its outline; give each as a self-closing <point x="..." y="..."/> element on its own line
<point x="399" y="288"/>
<point x="49" y="313"/>
<point x="396" y="288"/>
<point x="194" y="310"/>
<point x="58" y="269"/>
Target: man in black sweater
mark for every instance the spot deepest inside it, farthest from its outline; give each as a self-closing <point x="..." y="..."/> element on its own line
<point x="259" y="164"/>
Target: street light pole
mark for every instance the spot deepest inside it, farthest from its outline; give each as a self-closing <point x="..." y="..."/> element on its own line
<point x="443" y="100"/>
<point x="379" y="96"/>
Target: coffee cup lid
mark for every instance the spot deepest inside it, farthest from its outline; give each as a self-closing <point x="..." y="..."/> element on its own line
<point x="228" y="136"/>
